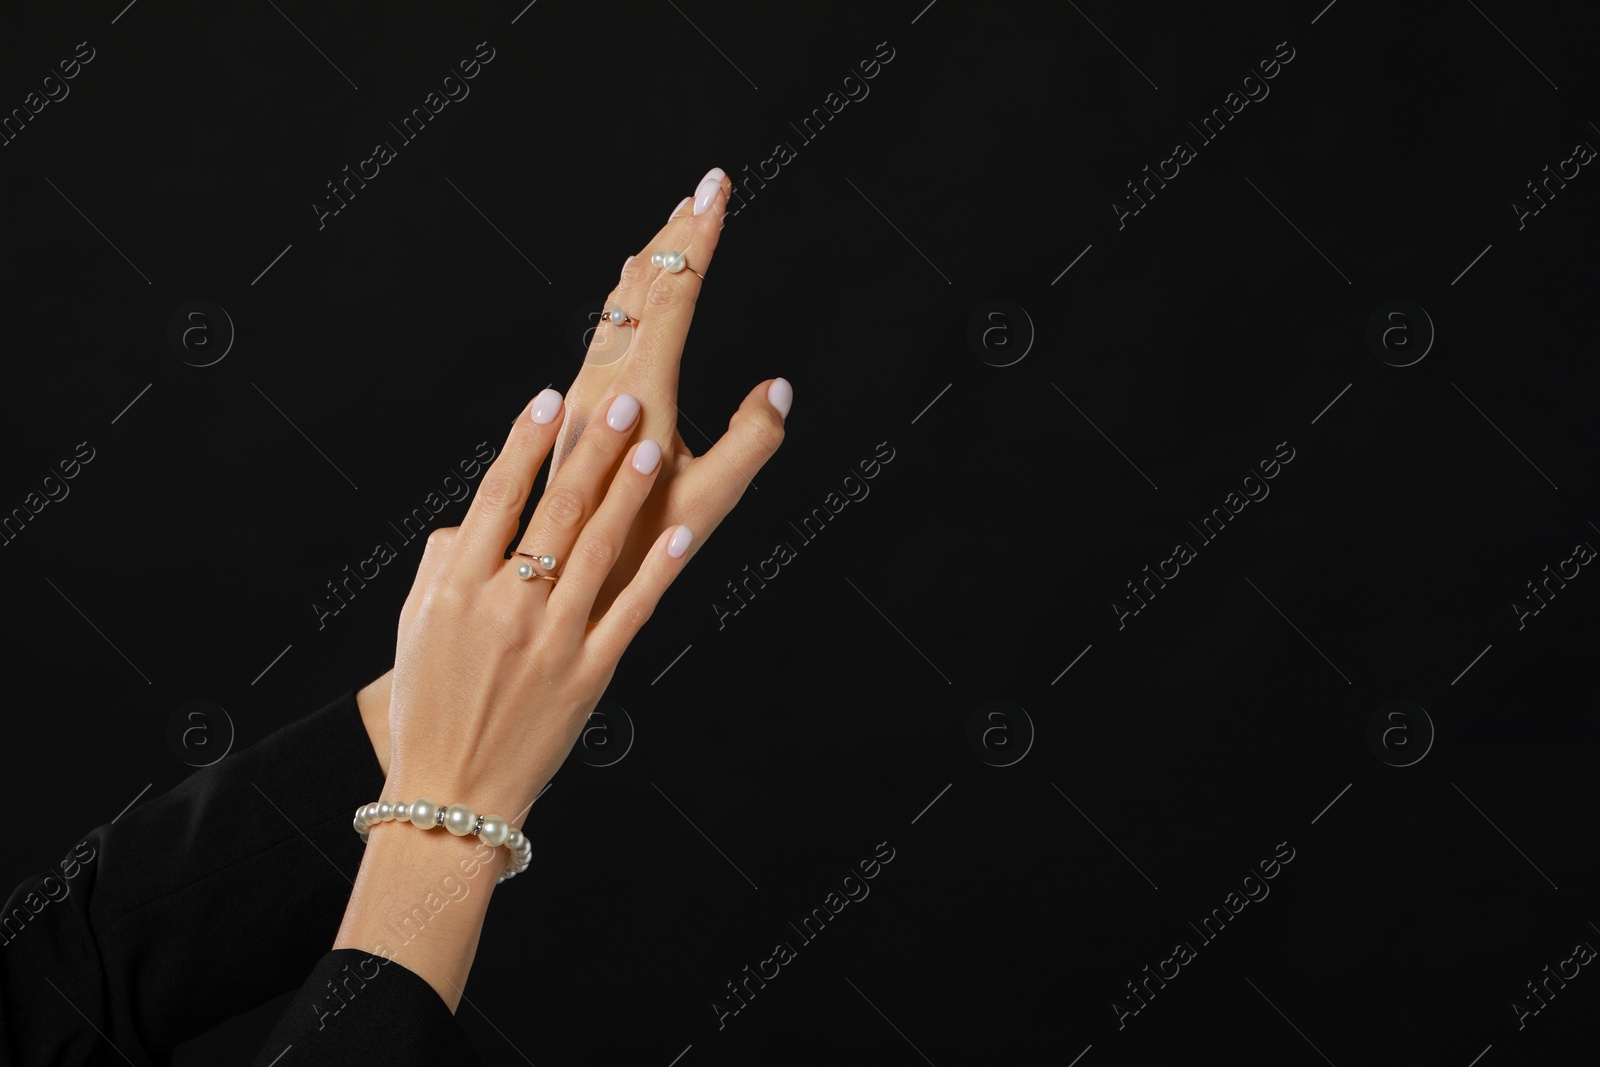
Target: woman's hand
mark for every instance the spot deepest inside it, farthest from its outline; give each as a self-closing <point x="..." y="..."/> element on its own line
<point x="644" y="361"/>
<point x="494" y="675"/>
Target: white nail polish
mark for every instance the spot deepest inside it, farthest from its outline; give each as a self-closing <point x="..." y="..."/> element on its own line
<point x="707" y="191"/>
<point x="546" y="406"/>
<point x="646" y="456"/>
<point x="780" y="394"/>
<point x="679" y="542"/>
<point x="623" y="410"/>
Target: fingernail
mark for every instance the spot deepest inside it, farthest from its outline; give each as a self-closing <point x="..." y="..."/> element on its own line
<point x="679" y="544"/>
<point x="646" y="456"/>
<point x="623" y="410"/>
<point x="707" y="191"/>
<point x="780" y="394"/>
<point x="679" y="208"/>
<point x="546" y="406"/>
<point x="626" y="262"/>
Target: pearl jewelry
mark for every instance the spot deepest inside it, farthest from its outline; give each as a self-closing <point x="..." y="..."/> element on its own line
<point x="495" y="831"/>
<point x="671" y="262"/>
<point x="525" y="571"/>
<point x="458" y="819"/>
<point x="618" y="317"/>
<point x="548" y="562"/>
<point x="424" y="813"/>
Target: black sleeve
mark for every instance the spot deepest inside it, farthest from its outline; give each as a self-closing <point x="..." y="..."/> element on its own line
<point x="208" y="900"/>
<point x="361" y="1009"/>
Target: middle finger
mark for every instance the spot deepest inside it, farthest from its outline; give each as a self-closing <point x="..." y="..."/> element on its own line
<point x="572" y="496"/>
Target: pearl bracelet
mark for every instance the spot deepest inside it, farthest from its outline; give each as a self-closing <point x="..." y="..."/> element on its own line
<point x="459" y="819"/>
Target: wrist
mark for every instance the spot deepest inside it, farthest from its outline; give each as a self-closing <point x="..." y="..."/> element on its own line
<point x="412" y="855"/>
<point x="419" y="899"/>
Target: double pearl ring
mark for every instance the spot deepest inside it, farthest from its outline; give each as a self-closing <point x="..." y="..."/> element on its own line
<point x="672" y="262"/>
<point x="526" y="572"/>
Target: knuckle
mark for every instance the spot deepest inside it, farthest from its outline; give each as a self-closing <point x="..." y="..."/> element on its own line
<point x="633" y="611"/>
<point x="665" y="291"/>
<point x="632" y="274"/>
<point x="598" y="553"/>
<point x="498" y="490"/>
<point x="765" y="430"/>
<point x="441" y="537"/>
<point x="563" y="508"/>
<point x="442" y="597"/>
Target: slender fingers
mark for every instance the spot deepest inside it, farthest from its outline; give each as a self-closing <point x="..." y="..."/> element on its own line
<point x="668" y="298"/>
<point x="638" y="599"/>
<point x="653" y="297"/>
<point x="643" y="290"/>
<point x="573" y="494"/>
<point x="717" y="479"/>
<point x="491" y="520"/>
<point x="600" y="545"/>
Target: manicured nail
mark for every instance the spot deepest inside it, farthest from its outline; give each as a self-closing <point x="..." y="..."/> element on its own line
<point x="679" y="544"/>
<point x="780" y="394"/>
<point x="679" y="208"/>
<point x="626" y="262"/>
<point x="646" y="456"/>
<point x="707" y="191"/>
<point x="623" y="410"/>
<point x="546" y="406"/>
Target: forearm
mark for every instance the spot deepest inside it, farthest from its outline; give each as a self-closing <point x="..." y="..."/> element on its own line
<point x="419" y="900"/>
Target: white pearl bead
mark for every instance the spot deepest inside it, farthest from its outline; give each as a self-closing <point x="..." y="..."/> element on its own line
<point x="495" y="831"/>
<point x="525" y="571"/>
<point x="673" y="262"/>
<point x="402" y="811"/>
<point x="459" y="819"/>
<point x="548" y="562"/>
<point x="618" y="317"/>
<point x="424" y="813"/>
<point x="385" y="810"/>
<point x="656" y="259"/>
<point x="515" y="839"/>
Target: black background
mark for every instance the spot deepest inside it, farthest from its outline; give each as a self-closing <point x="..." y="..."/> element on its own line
<point x="1219" y="321"/>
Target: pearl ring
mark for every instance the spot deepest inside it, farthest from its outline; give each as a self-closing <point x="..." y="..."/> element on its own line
<point x="618" y="317"/>
<point x="526" y="572"/>
<point x="672" y="262"/>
